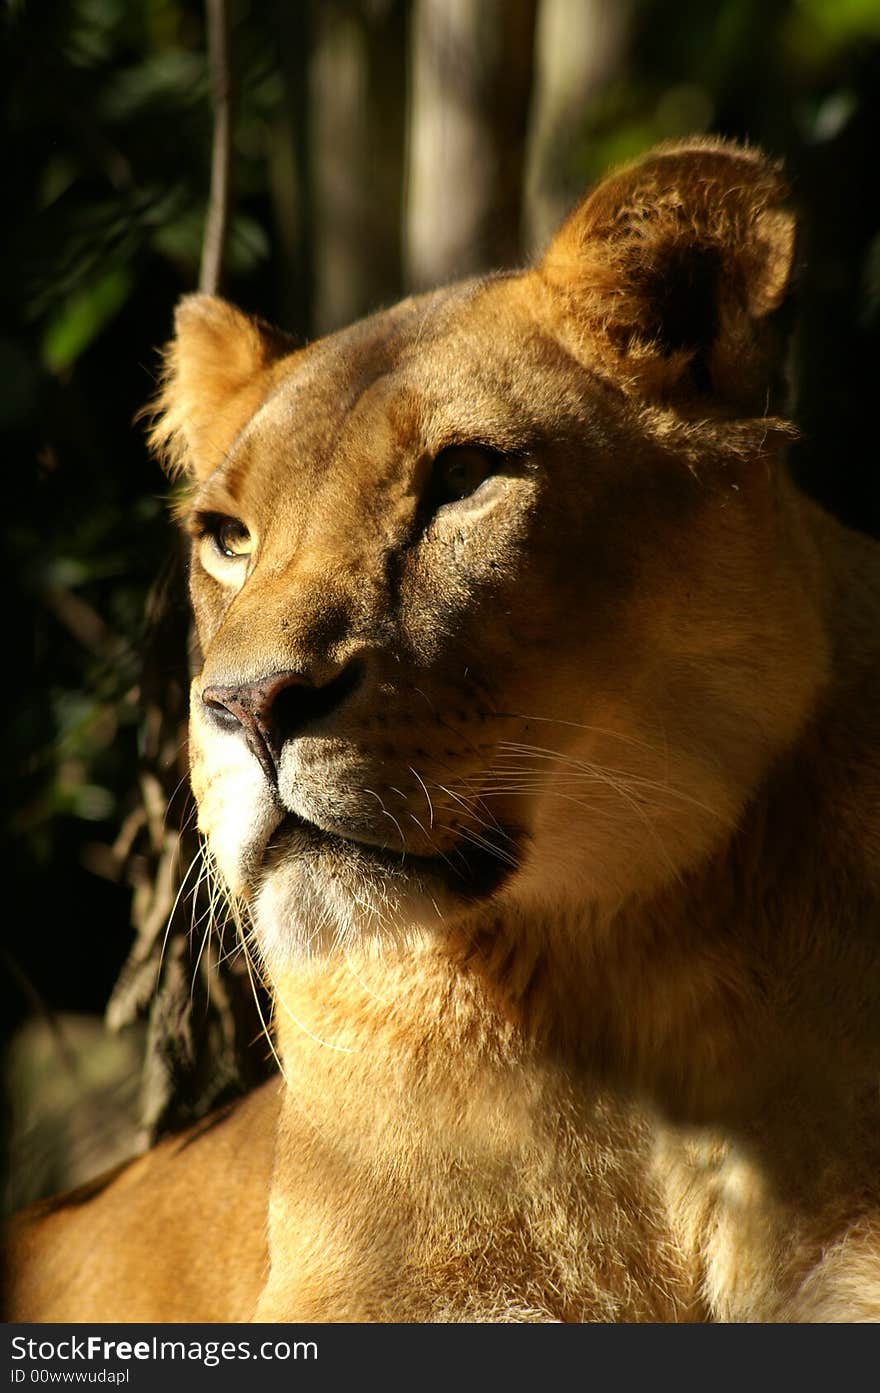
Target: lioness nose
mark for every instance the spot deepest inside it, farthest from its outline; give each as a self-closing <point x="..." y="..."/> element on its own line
<point x="274" y="709"/>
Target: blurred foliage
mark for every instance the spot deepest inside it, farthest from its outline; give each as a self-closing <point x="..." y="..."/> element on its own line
<point x="107" y="148"/>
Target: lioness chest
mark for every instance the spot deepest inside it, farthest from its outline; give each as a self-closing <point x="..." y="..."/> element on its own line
<point x="434" y="1165"/>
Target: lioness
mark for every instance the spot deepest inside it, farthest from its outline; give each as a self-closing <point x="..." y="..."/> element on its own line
<point x="536" y="735"/>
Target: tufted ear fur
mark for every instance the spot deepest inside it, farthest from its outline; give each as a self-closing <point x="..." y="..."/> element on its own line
<point x="215" y="375"/>
<point x="673" y="272"/>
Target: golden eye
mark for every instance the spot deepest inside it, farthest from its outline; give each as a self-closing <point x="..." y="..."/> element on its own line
<point x="231" y="537"/>
<point x="459" y="471"/>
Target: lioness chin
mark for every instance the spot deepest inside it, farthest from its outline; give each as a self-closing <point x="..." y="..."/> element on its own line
<point x="536" y="735"/>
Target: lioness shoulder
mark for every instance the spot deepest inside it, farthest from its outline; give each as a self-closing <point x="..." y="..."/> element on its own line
<point x="178" y="1234"/>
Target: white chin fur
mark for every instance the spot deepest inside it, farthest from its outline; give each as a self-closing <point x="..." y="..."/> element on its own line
<point x="314" y="900"/>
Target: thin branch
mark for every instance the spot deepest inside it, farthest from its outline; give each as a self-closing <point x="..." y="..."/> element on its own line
<point x="217" y="220"/>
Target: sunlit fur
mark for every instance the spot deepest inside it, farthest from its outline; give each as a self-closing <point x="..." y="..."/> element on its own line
<point x="569" y="906"/>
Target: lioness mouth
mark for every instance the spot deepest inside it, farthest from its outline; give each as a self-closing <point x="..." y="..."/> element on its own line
<point x="469" y="869"/>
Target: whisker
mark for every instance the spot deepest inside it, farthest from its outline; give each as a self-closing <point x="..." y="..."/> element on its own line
<point x="601" y="772"/>
<point x="386" y="813"/>
<point x="465" y="834"/>
<point x="580" y="725"/>
<point x="250" y="967"/>
<point x="197" y="860"/>
<point x="383" y="1000"/>
<point x="327" y="1044"/>
<point x="426" y="793"/>
<point x="470" y="806"/>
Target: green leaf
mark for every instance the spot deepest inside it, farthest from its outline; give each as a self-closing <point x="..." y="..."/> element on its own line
<point x="818" y="30"/>
<point x="82" y="317"/>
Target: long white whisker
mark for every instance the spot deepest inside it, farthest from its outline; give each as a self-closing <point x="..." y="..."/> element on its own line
<point x="468" y="835"/>
<point x="197" y="860"/>
<point x="600" y="772"/>
<point x="266" y="1031"/>
<point x="385" y="813"/>
<point x="580" y="725"/>
<point x="470" y="806"/>
<point x="426" y="793"/>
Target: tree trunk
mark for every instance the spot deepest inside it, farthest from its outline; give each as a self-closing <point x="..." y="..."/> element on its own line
<point x="356" y="83"/>
<point x="471" y="66"/>
<point x="290" y="181"/>
<point x="580" y="48"/>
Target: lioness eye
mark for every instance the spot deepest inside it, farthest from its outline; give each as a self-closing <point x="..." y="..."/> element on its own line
<point x="459" y="471"/>
<point x="231" y="537"/>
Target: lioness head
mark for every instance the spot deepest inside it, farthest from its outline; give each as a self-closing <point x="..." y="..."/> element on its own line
<point x="497" y="597"/>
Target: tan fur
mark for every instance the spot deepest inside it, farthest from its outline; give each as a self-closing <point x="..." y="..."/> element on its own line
<point x="568" y="896"/>
<point x="176" y="1235"/>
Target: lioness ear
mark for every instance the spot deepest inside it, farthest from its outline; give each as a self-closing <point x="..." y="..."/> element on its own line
<point x="214" y="378"/>
<point x="673" y="269"/>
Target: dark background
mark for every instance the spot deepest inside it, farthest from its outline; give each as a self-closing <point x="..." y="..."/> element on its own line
<point x="380" y="145"/>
